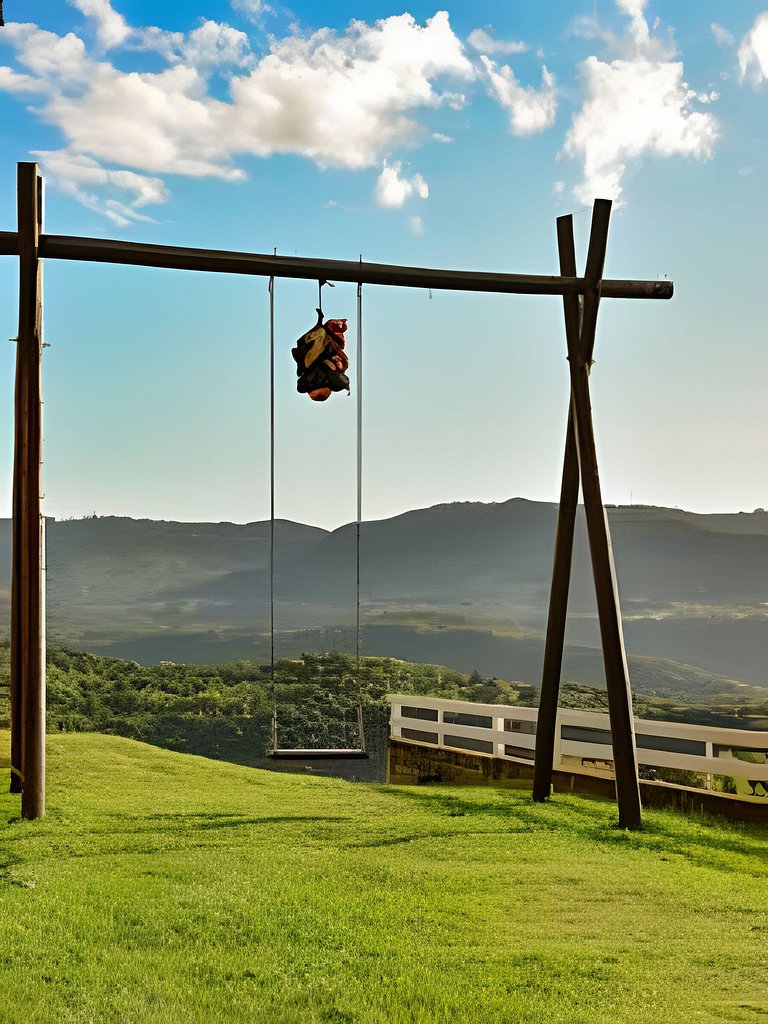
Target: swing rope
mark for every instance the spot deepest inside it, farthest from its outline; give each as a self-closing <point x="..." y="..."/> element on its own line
<point x="359" y="462"/>
<point x="275" y="752"/>
<point x="361" y="733"/>
<point x="272" y="505"/>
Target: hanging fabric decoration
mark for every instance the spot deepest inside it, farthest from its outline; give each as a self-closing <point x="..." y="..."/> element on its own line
<point x="321" y="359"/>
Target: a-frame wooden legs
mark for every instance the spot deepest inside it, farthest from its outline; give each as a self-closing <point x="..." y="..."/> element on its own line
<point x="27" y="591"/>
<point x="561" y="570"/>
<point x="581" y="464"/>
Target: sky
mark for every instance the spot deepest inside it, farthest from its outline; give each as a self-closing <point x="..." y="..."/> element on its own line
<point x="400" y="134"/>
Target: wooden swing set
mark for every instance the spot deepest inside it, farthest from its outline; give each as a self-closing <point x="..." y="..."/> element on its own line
<point x="581" y="299"/>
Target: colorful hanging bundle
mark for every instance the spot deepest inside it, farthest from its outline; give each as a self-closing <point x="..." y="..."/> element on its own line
<point x="321" y="359"/>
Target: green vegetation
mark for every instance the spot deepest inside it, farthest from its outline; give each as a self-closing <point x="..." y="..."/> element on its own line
<point x="224" y="711"/>
<point x="163" y="888"/>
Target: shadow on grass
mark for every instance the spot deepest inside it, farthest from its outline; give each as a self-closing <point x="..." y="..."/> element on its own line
<point x="419" y="836"/>
<point x="200" y="821"/>
<point x="8" y="862"/>
<point x="512" y="806"/>
<point x="173" y="832"/>
<point x="704" y="840"/>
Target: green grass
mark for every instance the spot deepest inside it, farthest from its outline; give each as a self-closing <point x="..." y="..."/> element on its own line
<point x="167" y="888"/>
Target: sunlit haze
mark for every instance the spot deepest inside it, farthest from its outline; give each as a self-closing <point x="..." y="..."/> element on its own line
<point x="411" y="135"/>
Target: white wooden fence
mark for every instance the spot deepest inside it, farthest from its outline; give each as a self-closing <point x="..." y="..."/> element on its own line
<point x="582" y="740"/>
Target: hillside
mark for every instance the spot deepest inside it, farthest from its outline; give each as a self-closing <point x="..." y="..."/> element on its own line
<point x="163" y="888"/>
<point x="467" y="580"/>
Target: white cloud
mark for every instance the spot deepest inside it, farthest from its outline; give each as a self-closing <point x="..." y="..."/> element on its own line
<point x="722" y="36"/>
<point x="53" y="60"/>
<point x="254" y="10"/>
<point x="638" y="26"/>
<point x="439" y="137"/>
<point x="587" y="27"/>
<point x="342" y="100"/>
<point x="212" y="44"/>
<point x="170" y="45"/>
<point x="12" y="81"/>
<point x="558" y="188"/>
<point x="753" y="52"/>
<point x="416" y="225"/>
<point x="79" y="175"/>
<point x="530" y="110"/>
<point x="637" y="105"/>
<point x="483" y="42"/>
<point x="111" y="27"/>
<point x="392" y="190"/>
<point x="638" y="36"/>
<point x="163" y="123"/>
<point x="338" y="99"/>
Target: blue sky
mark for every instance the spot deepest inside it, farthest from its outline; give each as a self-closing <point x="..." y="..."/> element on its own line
<point x="408" y="134"/>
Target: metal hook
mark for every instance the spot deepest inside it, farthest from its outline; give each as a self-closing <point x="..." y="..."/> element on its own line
<point x="320" y="284"/>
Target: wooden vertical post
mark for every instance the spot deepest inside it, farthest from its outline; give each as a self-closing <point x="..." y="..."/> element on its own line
<point x="603" y="570"/>
<point x="17" y="709"/>
<point x="28" y="660"/>
<point x="546" y="723"/>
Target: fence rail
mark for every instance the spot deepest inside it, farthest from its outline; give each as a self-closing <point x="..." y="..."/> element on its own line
<point x="583" y="740"/>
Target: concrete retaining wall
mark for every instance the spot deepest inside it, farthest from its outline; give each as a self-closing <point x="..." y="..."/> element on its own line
<point x="412" y="765"/>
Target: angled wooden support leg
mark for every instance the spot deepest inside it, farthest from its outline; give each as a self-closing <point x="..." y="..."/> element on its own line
<point x="27" y="660"/>
<point x="546" y="723"/>
<point x="17" y="710"/>
<point x="609" y="614"/>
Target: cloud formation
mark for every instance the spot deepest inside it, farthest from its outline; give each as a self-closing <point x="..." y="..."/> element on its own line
<point x="110" y="26"/>
<point x="348" y="99"/>
<point x="530" y="110"/>
<point x="484" y="43"/>
<point x="636" y="105"/>
<point x="85" y="179"/>
<point x="338" y="99"/>
<point x="253" y="10"/>
<point x="343" y="101"/>
<point x="753" y="52"/>
<point x="392" y="189"/>
<point x="722" y="36"/>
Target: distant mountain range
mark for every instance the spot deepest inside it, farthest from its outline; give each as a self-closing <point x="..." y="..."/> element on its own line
<point x="463" y="584"/>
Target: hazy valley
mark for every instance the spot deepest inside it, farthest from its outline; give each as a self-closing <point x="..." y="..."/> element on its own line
<point x="464" y="585"/>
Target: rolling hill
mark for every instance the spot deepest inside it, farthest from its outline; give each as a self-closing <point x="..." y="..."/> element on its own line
<point x="464" y="584"/>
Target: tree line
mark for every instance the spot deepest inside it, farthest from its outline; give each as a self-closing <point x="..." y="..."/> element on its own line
<point x="225" y="711"/>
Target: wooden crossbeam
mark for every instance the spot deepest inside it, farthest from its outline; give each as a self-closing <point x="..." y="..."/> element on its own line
<point x="102" y="250"/>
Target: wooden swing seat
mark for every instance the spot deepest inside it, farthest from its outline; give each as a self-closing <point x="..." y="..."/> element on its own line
<point x="317" y="754"/>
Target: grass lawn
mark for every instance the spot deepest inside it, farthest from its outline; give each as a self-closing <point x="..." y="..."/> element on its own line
<point x="167" y="888"/>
